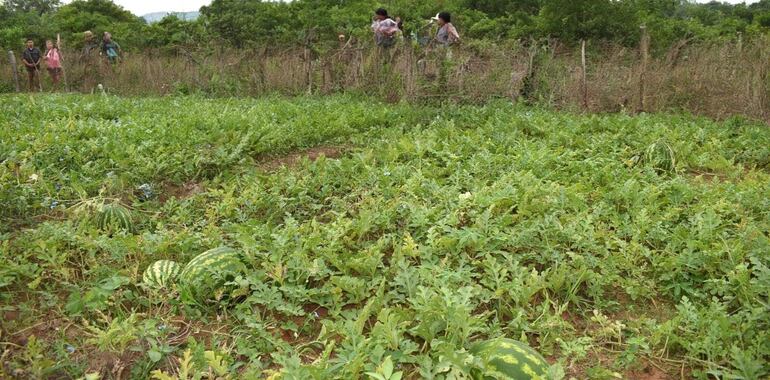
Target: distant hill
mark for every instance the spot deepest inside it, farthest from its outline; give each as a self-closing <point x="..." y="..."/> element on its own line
<point x="157" y="16"/>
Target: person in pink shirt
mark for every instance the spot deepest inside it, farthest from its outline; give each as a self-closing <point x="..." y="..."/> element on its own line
<point x="385" y="28"/>
<point x="53" y="62"/>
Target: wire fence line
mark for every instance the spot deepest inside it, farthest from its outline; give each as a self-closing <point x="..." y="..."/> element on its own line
<point x="715" y="79"/>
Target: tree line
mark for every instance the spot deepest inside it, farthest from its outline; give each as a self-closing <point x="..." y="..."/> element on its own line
<point x="321" y="23"/>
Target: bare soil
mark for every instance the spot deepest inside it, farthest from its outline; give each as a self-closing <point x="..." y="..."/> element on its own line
<point x="293" y="159"/>
<point x="183" y="191"/>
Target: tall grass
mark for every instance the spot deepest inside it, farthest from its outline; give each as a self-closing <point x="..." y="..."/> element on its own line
<point x="713" y="79"/>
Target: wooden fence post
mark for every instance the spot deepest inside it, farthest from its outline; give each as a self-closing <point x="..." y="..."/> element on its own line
<point x="308" y="70"/>
<point x="308" y="54"/>
<point x="644" y="48"/>
<point x="584" y="76"/>
<point x="12" y="60"/>
<point x="63" y="71"/>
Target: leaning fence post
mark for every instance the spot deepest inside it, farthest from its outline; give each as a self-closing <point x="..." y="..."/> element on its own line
<point x="584" y="76"/>
<point x="12" y="60"/>
<point x="644" y="47"/>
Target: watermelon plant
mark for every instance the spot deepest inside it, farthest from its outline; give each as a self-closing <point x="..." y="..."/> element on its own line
<point x="360" y="239"/>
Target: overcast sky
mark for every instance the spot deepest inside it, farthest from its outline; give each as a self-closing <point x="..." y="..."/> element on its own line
<point x="142" y="7"/>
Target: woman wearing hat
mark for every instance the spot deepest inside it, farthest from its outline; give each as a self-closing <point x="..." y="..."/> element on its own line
<point x="447" y="34"/>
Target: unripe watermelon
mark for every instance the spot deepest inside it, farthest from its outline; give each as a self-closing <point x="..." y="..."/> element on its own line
<point x="660" y="156"/>
<point x="509" y="359"/>
<point x="161" y="274"/>
<point x="114" y="217"/>
<point x="204" y="277"/>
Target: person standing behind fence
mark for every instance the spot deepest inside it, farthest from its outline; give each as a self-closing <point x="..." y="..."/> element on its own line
<point x="385" y="29"/>
<point x="110" y="48"/>
<point x="447" y="34"/>
<point x="89" y="60"/>
<point x="31" y="58"/>
<point x="53" y="62"/>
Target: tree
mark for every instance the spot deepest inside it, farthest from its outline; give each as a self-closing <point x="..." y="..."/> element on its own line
<point x="573" y="20"/>
<point x="38" y="6"/>
<point x="498" y="8"/>
<point x="246" y="22"/>
<point x="99" y="16"/>
<point x="172" y="33"/>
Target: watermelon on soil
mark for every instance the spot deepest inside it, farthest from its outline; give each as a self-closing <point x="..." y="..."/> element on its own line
<point x="113" y="217"/>
<point x="161" y="274"/>
<point x="204" y="277"/>
<point x="509" y="359"/>
<point x="660" y="156"/>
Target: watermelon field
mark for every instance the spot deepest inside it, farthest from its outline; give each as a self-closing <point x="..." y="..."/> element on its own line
<point x="344" y="238"/>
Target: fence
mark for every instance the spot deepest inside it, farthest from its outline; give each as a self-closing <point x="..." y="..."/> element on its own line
<point x="713" y="79"/>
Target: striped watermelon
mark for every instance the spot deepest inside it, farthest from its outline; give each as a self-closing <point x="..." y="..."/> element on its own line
<point x="509" y="359"/>
<point x="113" y="217"/>
<point x="161" y="274"/>
<point x="660" y="156"/>
<point x="204" y="277"/>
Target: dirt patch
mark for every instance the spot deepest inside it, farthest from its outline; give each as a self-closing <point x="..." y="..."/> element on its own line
<point x="108" y="363"/>
<point x="183" y="191"/>
<point x="650" y="373"/>
<point x="46" y="331"/>
<point x="206" y="332"/>
<point x="293" y="159"/>
<point x="645" y="369"/>
<point x="708" y="176"/>
<point x="10" y="316"/>
<point x="315" y="310"/>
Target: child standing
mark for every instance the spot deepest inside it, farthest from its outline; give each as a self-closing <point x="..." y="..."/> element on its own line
<point x="110" y="48"/>
<point x="53" y="62"/>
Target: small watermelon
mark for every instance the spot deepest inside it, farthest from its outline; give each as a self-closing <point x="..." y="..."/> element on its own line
<point x="113" y="217"/>
<point x="509" y="359"/>
<point x="161" y="274"/>
<point x="660" y="156"/>
<point x="204" y="277"/>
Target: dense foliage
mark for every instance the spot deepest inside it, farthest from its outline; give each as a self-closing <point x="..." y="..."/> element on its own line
<point x="267" y="23"/>
<point x="424" y="232"/>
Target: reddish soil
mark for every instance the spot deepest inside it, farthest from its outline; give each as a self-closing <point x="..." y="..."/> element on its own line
<point x="321" y="311"/>
<point x="203" y="332"/>
<point x="649" y="373"/>
<point x="112" y="365"/>
<point x="43" y="331"/>
<point x="10" y="316"/>
<point x="183" y="191"/>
